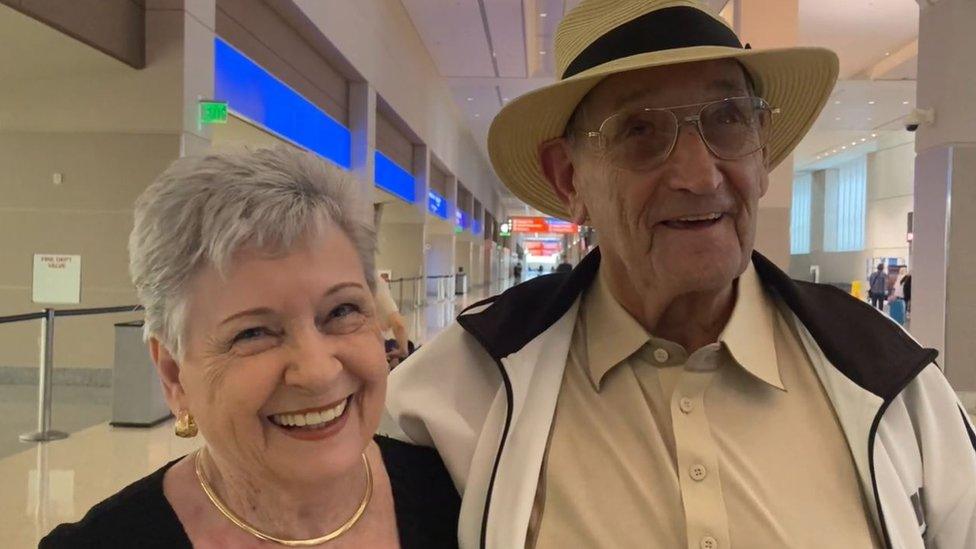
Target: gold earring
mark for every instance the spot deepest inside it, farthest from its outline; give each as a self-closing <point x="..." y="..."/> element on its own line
<point x="185" y="426"/>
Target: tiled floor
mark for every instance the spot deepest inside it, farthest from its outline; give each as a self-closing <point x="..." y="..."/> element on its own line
<point x="74" y="409"/>
<point x="47" y="484"/>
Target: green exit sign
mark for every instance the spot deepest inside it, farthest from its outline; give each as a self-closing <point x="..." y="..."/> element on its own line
<point x="213" y="112"/>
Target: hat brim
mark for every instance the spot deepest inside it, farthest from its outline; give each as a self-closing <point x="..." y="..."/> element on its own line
<point x="797" y="81"/>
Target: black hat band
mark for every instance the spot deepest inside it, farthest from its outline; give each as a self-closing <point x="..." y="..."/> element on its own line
<point x="664" y="29"/>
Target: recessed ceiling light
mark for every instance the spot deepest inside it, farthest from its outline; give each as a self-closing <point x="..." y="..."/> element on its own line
<point x="542" y="52"/>
<point x="477" y="115"/>
<point x="837" y="119"/>
<point x="874" y="135"/>
<point x="543" y="14"/>
<point x="887" y="53"/>
<point x="904" y="102"/>
<point x="869" y="119"/>
<point x="863" y="139"/>
<point x="853" y="143"/>
<point x="471" y="99"/>
<point x="870" y="102"/>
<point x="843" y="147"/>
<point x="836" y="102"/>
<point x="504" y="99"/>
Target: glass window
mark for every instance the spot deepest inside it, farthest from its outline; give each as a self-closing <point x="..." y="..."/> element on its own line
<point x="800" y="214"/>
<point x="845" y="205"/>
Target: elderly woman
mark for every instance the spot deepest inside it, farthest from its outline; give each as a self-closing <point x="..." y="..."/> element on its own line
<point x="257" y="276"/>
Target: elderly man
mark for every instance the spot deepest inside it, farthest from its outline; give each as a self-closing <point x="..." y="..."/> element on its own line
<point x="677" y="389"/>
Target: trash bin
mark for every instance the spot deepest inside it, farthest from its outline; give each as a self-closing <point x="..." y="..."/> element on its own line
<point x="460" y="283"/>
<point x="137" y="395"/>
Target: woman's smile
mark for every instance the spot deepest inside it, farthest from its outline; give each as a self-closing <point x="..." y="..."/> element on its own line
<point x="314" y="423"/>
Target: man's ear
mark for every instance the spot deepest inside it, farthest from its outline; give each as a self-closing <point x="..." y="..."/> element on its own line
<point x="556" y="157"/>
<point x="169" y="374"/>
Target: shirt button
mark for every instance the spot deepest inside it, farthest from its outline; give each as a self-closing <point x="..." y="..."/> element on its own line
<point x="686" y="405"/>
<point x="698" y="472"/>
<point x="661" y="355"/>
<point x="708" y="542"/>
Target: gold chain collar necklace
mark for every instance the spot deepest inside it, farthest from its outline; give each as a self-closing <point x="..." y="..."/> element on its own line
<point x="240" y="523"/>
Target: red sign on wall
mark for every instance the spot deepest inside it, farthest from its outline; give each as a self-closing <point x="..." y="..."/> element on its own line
<point x="543" y="225"/>
<point x="559" y="226"/>
<point x="529" y="225"/>
<point x="542" y="248"/>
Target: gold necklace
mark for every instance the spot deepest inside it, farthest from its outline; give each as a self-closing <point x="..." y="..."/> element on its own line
<point x="240" y="523"/>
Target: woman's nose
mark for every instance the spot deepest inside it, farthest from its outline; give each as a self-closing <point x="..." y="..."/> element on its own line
<point x="314" y="362"/>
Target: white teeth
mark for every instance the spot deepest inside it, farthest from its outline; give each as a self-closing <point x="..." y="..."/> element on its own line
<point x="706" y="217"/>
<point x="310" y="419"/>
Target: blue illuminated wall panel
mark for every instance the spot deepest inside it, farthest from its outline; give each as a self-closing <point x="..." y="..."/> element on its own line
<point x="475" y="226"/>
<point x="394" y="179"/>
<point x="253" y="93"/>
<point x="462" y="219"/>
<point x="437" y="204"/>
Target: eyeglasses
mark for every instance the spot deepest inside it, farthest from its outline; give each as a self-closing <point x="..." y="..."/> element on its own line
<point x="642" y="138"/>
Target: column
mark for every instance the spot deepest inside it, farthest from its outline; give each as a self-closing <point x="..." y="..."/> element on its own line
<point x="765" y="24"/>
<point x="463" y="240"/>
<point x="944" y="250"/>
<point x="421" y="172"/>
<point x="478" y="248"/>
<point x="180" y="40"/>
<point x="362" y="129"/>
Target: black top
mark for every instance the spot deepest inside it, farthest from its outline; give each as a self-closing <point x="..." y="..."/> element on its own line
<point x="424" y="500"/>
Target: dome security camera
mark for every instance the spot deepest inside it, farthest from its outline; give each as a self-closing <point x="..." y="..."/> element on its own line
<point x="918" y="117"/>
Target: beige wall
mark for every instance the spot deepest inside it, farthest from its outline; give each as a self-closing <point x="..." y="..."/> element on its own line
<point x="438" y="180"/>
<point x="391" y="142"/>
<point x="237" y="135"/>
<point x="109" y="130"/>
<point x="400" y="248"/>
<point x="115" y="27"/>
<point x="89" y="214"/>
<point x="835" y="267"/>
<point x="891" y="180"/>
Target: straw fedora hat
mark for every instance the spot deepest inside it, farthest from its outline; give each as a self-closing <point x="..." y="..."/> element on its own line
<point x="600" y="38"/>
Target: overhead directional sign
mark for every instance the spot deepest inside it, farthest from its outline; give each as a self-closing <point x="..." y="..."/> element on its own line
<point x="562" y="227"/>
<point x="538" y="248"/>
<point x="542" y="225"/>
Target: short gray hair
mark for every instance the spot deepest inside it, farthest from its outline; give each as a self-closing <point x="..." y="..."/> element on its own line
<point x="204" y="209"/>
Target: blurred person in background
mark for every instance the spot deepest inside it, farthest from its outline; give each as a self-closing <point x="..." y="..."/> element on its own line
<point x="392" y="322"/>
<point x="878" y="287"/>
